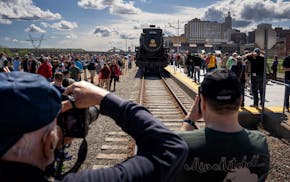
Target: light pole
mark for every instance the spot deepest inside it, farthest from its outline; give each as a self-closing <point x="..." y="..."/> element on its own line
<point x="177" y="28"/>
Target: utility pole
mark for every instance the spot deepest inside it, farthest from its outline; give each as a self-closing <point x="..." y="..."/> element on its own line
<point x="126" y="44"/>
<point x="178" y="38"/>
<point x="266" y="37"/>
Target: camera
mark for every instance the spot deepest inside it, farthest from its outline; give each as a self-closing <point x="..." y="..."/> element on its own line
<point x="75" y="122"/>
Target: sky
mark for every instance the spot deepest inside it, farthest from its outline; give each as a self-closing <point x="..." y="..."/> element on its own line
<point x="99" y="25"/>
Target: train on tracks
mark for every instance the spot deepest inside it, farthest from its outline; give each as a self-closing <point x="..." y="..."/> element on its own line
<point x="151" y="55"/>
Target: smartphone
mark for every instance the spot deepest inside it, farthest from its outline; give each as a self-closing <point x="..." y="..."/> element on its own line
<point x="199" y="100"/>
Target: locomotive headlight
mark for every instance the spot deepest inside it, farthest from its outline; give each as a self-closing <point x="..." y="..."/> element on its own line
<point x="152" y="43"/>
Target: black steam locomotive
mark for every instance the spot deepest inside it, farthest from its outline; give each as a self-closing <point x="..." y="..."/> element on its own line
<point x="151" y="55"/>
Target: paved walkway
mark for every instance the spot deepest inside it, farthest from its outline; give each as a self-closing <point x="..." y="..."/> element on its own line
<point x="274" y="92"/>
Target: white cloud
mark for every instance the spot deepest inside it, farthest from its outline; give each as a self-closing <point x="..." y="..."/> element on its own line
<point x="249" y="13"/>
<point x="64" y="25"/>
<point x="94" y="4"/>
<point x="14" y="40"/>
<point x="44" y="24"/>
<point x="102" y="31"/>
<point x="115" y="6"/>
<point x="7" y="38"/>
<point x="71" y="36"/>
<point x="145" y="1"/>
<point x="128" y="36"/>
<point x="23" y="10"/>
<point x="34" y="28"/>
<point x="124" y="8"/>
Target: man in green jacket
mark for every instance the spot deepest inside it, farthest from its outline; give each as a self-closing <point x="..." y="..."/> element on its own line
<point x="223" y="150"/>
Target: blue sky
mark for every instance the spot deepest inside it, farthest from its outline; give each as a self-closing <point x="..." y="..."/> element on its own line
<point x="103" y="24"/>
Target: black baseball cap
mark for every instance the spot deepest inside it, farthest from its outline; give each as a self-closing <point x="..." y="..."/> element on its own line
<point x="222" y="86"/>
<point x="28" y="102"/>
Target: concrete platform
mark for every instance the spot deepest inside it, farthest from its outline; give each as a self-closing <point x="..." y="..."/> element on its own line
<point x="274" y="120"/>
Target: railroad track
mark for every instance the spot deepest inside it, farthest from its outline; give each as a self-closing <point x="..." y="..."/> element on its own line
<point x="160" y="101"/>
<point x="164" y="99"/>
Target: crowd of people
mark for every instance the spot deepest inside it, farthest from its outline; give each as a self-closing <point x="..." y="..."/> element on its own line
<point x="103" y="70"/>
<point x="30" y="135"/>
<point x="248" y="66"/>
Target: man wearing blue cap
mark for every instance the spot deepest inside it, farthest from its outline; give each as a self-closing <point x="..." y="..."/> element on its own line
<point x="28" y="132"/>
<point x="224" y="150"/>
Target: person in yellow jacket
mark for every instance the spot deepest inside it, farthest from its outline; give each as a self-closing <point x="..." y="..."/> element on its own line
<point x="211" y="62"/>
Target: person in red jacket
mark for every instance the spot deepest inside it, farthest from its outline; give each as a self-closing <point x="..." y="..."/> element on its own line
<point x="105" y="74"/>
<point x="115" y="73"/>
<point x="45" y="69"/>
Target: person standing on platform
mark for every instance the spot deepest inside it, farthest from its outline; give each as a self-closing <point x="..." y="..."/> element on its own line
<point x="189" y="65"/>
<point x="275" y="67"/>
<point x="223" y="150"/>
<point x="196" y="69"/>
<point x="248" y="72"/>
<point x="218" y="61"/>
<point x="257" y="75"/>
<point x="286" y="69"/>
<point x="203" y="63"/>
<point x="224" y="60"/>
<point x="240" y="70"/>
<point x="211" y="62"/>
<point x="232" y="61"/>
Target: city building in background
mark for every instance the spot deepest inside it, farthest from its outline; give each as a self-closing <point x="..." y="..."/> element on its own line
<point x="209" y="36"/>
<point x="198" y="31"/>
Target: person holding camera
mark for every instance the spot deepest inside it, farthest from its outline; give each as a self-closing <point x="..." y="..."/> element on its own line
<point x="223" y="150"/>
<point x="257" y="63"/>
<point x="29" y="136"/>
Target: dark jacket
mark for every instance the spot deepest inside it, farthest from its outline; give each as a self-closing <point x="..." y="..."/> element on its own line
<point x="240" y="70"/>
<point x="160" y="156"/>
<point x="225" y="156"/>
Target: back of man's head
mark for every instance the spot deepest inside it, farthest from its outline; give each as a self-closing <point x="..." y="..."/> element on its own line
<point x="28" y="103"/>
<point x="221" y="89"/>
